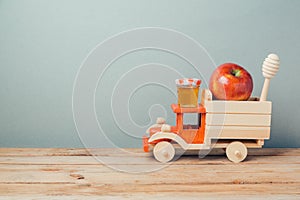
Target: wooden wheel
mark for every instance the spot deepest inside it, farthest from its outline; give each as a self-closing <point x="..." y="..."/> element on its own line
<point x="164" y="151"/>
<point x="236" y="152"/>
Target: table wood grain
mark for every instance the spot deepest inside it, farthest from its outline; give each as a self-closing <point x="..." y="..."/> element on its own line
<point x="60" y="173"/>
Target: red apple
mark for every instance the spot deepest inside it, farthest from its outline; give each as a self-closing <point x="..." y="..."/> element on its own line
<point x="231" y="82"/>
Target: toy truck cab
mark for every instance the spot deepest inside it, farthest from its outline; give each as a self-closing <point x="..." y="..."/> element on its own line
<point x="189" y="133"/>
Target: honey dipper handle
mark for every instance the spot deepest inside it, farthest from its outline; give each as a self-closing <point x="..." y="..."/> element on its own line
<point x="270" y="67"/>
<point x="264" y="93"/>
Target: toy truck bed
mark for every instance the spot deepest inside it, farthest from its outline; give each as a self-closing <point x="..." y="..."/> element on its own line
<point x="248" y="121"/>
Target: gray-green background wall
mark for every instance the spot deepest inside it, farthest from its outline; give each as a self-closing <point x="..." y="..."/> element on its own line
<point x="43" y="43"/>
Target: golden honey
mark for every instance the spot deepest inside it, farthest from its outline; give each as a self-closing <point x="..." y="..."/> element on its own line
<point x="188" y="96"/>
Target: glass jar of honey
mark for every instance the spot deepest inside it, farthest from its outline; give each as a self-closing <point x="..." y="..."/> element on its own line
<point x="188" y="90"/>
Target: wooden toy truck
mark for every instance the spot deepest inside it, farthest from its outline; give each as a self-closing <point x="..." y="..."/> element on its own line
<point x="231" y="125"/>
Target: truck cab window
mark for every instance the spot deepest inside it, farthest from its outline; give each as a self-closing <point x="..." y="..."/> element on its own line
<point x="191" y="120"/>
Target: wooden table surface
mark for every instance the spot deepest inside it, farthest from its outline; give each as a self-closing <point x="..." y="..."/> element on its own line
<point x="133" y="174"/>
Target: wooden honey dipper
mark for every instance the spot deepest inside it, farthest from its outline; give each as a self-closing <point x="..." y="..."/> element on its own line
<point x="270" y="67"/>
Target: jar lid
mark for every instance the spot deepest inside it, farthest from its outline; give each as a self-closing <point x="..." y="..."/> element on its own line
<point x="188" y="82"/>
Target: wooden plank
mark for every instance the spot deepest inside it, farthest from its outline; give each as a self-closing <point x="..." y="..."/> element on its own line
<point x="142" y="161"/>
<point x="143" y="196"/>
<point x="236" y="132"/>
<point x="149" y="191"/>
<point x="250" y="107"/>
<point x="32" y="152"/>
<point x="217" y="119"/>
<point x="229" y="173"/>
